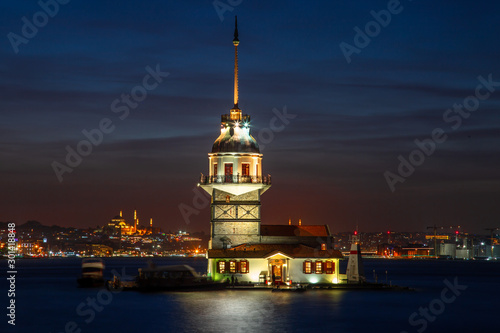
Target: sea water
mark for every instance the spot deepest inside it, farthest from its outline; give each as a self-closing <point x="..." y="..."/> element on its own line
<point x="48" y="300"/>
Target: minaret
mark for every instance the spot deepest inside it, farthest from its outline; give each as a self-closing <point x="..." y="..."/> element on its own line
<point x="135" y="221"/>
<point x="234" y="179"/>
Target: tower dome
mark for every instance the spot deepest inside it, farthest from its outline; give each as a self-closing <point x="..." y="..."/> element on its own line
<point x="235" y="138"/>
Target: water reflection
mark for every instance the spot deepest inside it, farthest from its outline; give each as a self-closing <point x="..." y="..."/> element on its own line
<point x="48" y="298"/>
<point x="250" y="311"/>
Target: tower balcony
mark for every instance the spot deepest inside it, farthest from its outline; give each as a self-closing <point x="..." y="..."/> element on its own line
<point x="232" y="179"/>
<point x="230" y="118"/>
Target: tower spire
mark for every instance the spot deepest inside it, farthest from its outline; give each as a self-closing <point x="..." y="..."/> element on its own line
<point x="236" y="112"/>
<point x="236" y="42"/>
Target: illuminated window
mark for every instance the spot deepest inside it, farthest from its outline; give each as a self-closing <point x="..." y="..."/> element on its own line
<point x="245" y="169"/>
<point x="244" y="266"/>
<point x="323" y="246"/>
<point x="228" y="172"/>
<point x="221" y="268"/>
<point x="232" y="266"/>
<point x="329" y="267"/>
<point x="307" y="267"/>
<point x="319" y="267"/>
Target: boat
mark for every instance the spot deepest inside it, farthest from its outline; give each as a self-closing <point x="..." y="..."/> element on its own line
<point x="174" y="278"/>
<point x="92" y="273"/>
<point x="296" y="289"/>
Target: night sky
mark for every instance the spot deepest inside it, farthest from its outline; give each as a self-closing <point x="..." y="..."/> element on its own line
<point x="328" y="163"/>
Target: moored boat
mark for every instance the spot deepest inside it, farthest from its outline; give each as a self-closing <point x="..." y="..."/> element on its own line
<point x="296" y="289"/>
<point x="92" y="273"/>
<point x="174" y="278"/>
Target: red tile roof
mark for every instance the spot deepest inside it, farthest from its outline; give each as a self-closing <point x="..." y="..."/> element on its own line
<point x="294" y="230"/>
<point x="265" y="250"/>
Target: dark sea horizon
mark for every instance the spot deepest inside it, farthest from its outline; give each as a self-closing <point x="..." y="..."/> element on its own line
<point x="448" y="296"/>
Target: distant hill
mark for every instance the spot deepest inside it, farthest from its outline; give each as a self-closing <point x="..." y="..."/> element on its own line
<point x="30" y="225"/>
<point x="35" y="225"/>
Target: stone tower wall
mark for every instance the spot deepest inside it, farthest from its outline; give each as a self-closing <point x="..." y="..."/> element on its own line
<point x="232" y="229"/>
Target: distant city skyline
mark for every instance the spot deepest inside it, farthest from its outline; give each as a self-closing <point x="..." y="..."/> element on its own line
<point x="380" y="116"/>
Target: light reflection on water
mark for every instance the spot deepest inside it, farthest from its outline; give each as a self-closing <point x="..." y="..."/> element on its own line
<point x="47" y="298"/>
<point x="248" y="311"/>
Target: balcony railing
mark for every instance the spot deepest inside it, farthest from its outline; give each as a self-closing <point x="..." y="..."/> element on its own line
<point x="231" y="179"/>
<point x="225" y="118"/>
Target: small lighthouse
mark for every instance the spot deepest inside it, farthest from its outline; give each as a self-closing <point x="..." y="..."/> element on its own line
<point x="355" y="270"/>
